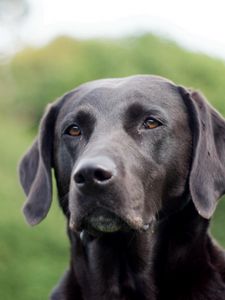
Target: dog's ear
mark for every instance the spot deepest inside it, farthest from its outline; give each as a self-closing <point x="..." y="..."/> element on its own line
<point x="35" y="170"/>
<point x="207" y="174"/>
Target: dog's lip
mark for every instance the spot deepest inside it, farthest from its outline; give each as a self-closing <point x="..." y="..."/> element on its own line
<point x="103" y="220"/>
<point x="106" y="220"/>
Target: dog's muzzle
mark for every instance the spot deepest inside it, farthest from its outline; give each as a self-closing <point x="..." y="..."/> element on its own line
<point x="94" y="181"/>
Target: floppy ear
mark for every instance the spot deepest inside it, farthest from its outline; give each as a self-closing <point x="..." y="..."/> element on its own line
<point x="207" y="174"/>
<point x="35" y="170"/>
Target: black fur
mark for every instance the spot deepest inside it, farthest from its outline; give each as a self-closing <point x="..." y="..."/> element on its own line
<point x="138" y="199"/>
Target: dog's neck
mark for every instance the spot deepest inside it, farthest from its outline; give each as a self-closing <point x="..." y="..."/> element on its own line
<point x="116" y="264"/>
<point x="178" y="260"/>
<point x="183" y="265"/>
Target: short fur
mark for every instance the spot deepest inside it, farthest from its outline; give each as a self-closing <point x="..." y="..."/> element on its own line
<point x="160" y="186"/>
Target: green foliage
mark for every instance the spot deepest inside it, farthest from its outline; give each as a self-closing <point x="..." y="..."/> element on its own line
<point x="38" y="76"/>
<point x="32" y="260"/>
<point x="23" y="250"/>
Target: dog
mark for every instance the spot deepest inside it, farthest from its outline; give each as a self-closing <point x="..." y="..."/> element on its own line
<point x="139" y="164"/>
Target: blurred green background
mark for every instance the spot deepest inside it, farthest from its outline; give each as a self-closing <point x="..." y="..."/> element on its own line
<point x="33" y="259"/>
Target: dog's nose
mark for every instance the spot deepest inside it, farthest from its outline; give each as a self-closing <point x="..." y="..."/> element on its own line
<point x="98" y="170"/>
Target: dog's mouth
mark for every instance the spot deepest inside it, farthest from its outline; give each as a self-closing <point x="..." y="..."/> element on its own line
<point x="103" y="221"/>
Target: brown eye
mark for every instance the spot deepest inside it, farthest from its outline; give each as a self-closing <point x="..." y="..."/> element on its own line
<point x="151" y="123"/>
<point x="73" y="130"/>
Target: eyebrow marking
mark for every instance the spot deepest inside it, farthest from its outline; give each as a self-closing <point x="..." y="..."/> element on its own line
<point x="81" y="115"/>
<point x="137" y="110"/>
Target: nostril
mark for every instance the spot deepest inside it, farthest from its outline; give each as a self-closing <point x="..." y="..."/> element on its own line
<point x="102" y="175"/>
<point x="79" y="178"/>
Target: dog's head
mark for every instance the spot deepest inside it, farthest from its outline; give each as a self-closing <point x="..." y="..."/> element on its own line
<point x="122" y="150"/>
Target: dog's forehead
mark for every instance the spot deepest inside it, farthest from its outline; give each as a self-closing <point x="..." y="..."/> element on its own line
<point x="109" y="95"/>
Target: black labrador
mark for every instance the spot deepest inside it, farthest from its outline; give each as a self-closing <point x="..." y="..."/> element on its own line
<point x="139" y="164"/>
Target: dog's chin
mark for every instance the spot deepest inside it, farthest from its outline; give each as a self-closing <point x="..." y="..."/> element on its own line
<point x="103" y="221"/>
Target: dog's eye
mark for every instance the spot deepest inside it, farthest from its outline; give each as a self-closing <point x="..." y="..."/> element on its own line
<point x="151" y="123"/>
<point x="73" y="130"/>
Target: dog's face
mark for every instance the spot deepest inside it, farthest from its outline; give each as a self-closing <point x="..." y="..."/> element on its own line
<point x="122" y="150"/>
<point x="121" y="146"/>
